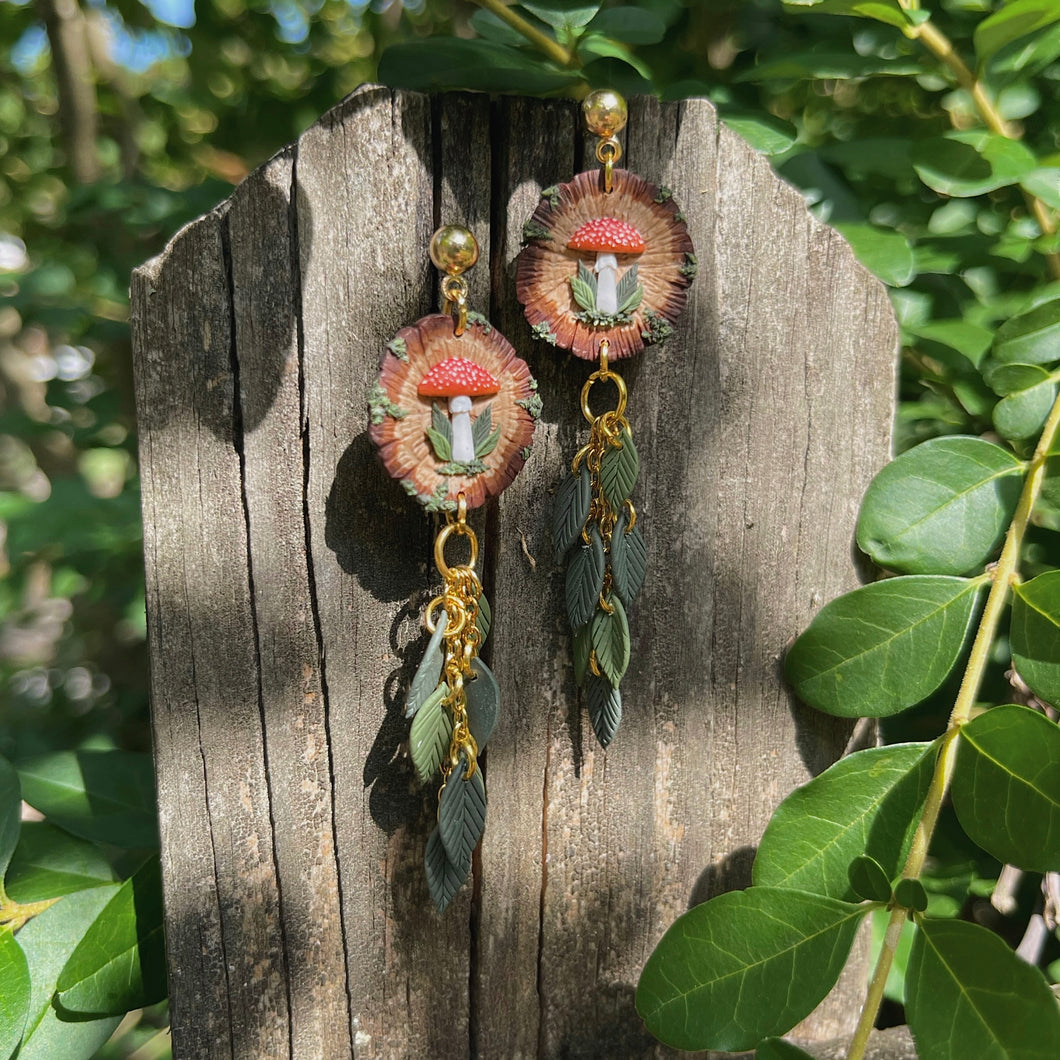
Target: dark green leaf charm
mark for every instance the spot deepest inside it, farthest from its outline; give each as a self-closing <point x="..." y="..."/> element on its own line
<point x="610" y="635"/>
<point x="573" y="499"/>
<point x="429" y="671"/>
<point x="432" y="729"/>
<point x="618" y="470"/>
<point x="462" y="814"/>
<point x="444" y="878"/>
<point x="484" y="619"/>
<point x="483" y="703"/>
<point x="605" y="708"/>
<point x="585" y="580"/>
<point x="581" y="648"/>
<point x="629" y="559"/>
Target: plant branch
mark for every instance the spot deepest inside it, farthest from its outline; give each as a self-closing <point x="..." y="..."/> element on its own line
<point x="874" y="998"/>
<point x="555" y="51"/>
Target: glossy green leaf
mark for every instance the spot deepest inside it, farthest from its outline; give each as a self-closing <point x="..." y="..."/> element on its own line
<point x="585" y="580"/>
<point x="970" y="340"/>
<point x="106" y="796"/>
<point x="1023" y="414"/>
<point x="604" y="704"/>
<point x="833" y="65"/>
<point x="1035" y="635"/>
<point x="1044" y="184"/>
<point x="15" y="995"/>
<point x="884" y="252"/>
<point x="910" y="894"/>
<point x="450" y="63"/>
<point x="618" y="470"/>
<point x="573" y="499"/>
<point x="10" y="812"/>
<point x="868" y="879"/>
<point x="48" y="941"/>
<point x="49" y="862"/>
<point x="444" y="878"/>
<point x="866" y="803"/>
<point x="778" y="1049"/>
<point x="429" y="672"/>
<point x="432" y="729"/>
<point x="563" y="14"/>
<point x="484" y="618"/>
<point x="941" y="508"/>
<point x="610" y="640"/>
<point x="1015" y="19"/>
<point x="581" y="649"/>
<point x="1006" y="786"/>
<point x="631" y="24"/>
<point x="968" y="995"/>
<point x="970" y="163"/>
<point x="916" y="626"/>
<point x="744" y="966"/>
<point x="1030" y="338"/>
<point x="462" y="814"/>
<point x="120" y="963"/>
<point x="487" y="24"/>
<point x="629" y="560"/>
<point x="483" y="702"/>
<point x="763" y="132"/>
<point x="888" y="11"/>
<point x="1005" y="379"/>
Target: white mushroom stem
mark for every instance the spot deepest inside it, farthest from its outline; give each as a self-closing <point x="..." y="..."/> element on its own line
<point x="606" y="269"/>
<point x="463" y="443"/>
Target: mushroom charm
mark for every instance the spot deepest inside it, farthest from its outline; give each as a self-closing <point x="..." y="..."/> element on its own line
<point x="459" y="380"/>
<point x="606" y="237"/>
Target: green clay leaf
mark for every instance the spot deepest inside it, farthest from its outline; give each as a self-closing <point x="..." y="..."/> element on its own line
<point x="428" y="673"/>
<point x="15" y="996"/>
<point x="744" y="966"/>
<point x="618" y="470"/>
<point x="969" y="995"/>
<point x="941" y="508"/>
<point x="49" y="863"/>
<point x="10" y="812"/>
<point x="915" y="626"/>
<point x="910" y="894"/>
<point x="583" y="287"/>
<point x="866" y="803"/>
<point x="573" y="499"/>
<point x="585" y="580"/>
<point x="868" y="880"/>
<point x="462" y="814"/>
<point x="610" y="638"/>
<point x="629" y="559"/>
<point x="432" y="729"/>
<point x="1035" y="635"/>
<point x="484" y="618"/>
<point x="441" y="423"/>
<point x="628" y="292"/>
<point x="120" y="963"/>
<point x="604" y="704"/>
<point x="439" y="444"/>
<point x="483" y="702"/>
<point x="1006" y="786"/>
<point x="778" y="1049"/>
<point x="482" y="434"/>
<point x="1030" y="338"/>
<point x="581" y="649"/>
<point x="444" y="879"/>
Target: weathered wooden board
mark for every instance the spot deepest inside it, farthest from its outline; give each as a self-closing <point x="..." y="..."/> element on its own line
<point x="287" y="574"/>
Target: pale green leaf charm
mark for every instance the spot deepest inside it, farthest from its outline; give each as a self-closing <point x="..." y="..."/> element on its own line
<point x="618" y="470"/>
<point x="484" y="618"/>
<point x="573" y="499"/>
<point x="444" y="879"/>
<point x="585" y="580"/>
<point x="462" y="814"/>
<point x="432" y="729"/>
<point x="629" y="560"/>
<point x="425" y="680"/>
<point x="610" y="637"/>
<point x="604" y="704"/>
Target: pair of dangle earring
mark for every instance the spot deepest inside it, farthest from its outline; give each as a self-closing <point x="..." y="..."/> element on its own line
<point x="604" y="273"/>
<point x="453" y="415"/>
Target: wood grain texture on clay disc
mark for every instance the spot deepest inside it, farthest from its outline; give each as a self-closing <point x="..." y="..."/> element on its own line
<point x="546" y="265"/>
<point x="404" y="415"/>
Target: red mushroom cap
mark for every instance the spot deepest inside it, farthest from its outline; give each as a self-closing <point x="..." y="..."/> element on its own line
<point x="457" y="375"/>
<point x="607" y="234"/>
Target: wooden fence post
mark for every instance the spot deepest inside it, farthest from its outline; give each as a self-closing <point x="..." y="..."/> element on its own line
<point x="286" y="575"/>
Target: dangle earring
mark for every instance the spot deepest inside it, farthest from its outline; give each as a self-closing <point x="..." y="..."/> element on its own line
<point x="604" y="272"/>
<point x="453" y="415"/>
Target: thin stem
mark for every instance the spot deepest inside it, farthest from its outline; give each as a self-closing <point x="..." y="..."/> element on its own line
<point x="555" y="51"/>
<point x="879" y="981"/>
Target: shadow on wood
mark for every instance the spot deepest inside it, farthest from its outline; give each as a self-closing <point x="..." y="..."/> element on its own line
<point x="287" y="575"/>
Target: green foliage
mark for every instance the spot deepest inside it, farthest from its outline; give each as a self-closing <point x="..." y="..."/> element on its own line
<point x="432" y="729"/>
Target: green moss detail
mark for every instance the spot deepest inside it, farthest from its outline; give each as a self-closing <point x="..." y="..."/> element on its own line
<point x="525" y="452"/>
<point x="398" y="348"/>
<point x="664" y="194"/>
<point x="552" y="194"/>
<point x="603" y="320"/>
<point x="535" y="230"/>
<point x="478" y="318"/>
<point x="381" y="406"/>
<point x="659" y="328"/>
<point x="690" y="267"/>
<point x="439" y="500"/>
<point x="532" y="404"/>
<point x="409" y="487"/>
<point x="532" y="383"/>
<point x="542" y="332"/>
<point x="455" y="467"/>
<point x="679" y="216"/>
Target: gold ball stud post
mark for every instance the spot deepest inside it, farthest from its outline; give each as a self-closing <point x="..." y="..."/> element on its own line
<point x="605" y="112"/>
<point x="453" y="249"/>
